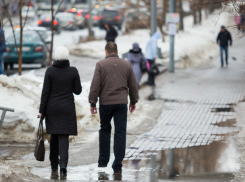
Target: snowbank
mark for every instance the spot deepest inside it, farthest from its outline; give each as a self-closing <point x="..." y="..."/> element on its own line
<point x="194" y="44"/>
<point x="12" y="171"/>
<point x="23" y="94"/>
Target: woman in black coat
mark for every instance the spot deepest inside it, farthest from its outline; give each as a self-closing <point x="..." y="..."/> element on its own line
<point x="58" y="107"/>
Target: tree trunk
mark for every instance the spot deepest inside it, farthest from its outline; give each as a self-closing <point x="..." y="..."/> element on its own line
<point x="200" y="15"/>
<point x="181" y="14"/>
<point x="165" y="10"/>
<point x="195" y="16"/>
<point x="52" y="33"/>
<point x="21" y="32"/>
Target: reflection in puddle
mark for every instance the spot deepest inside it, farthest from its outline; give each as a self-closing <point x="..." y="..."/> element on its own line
<point x="214" y="162"/>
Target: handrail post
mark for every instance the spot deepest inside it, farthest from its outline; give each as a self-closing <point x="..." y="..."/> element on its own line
<point x="5" y="109"/>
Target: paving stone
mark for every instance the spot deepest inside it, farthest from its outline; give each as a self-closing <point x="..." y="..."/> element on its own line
<point x="192" y="121"/>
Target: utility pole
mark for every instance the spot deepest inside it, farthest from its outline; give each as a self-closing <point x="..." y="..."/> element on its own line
<point x="153" y="16"/>
<point x="90" y="31"/>
<point x="171" y="53"/>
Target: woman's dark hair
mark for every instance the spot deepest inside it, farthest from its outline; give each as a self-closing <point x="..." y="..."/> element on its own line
<point x="111" y="48"/>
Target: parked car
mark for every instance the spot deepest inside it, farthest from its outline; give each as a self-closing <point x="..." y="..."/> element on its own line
<point x="28" y="12"/>
<point x="42" y="31"/>
<point x="34" y="50"/>
<point x="45" y="21"/>
<point x="112" y="17"/>
<point x="66" y="20"/>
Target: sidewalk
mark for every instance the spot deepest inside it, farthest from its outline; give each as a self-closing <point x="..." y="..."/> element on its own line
<point x="200" y="107"/>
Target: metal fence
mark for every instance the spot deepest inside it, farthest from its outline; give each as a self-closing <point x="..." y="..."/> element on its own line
<point x="4" y="109"/>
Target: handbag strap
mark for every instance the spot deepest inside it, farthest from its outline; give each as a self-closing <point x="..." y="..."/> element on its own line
<point x="40" y="128"/>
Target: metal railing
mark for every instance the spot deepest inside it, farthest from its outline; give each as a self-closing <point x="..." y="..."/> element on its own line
<point x="5" y="109"/>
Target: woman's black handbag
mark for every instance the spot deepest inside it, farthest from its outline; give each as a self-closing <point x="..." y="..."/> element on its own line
<point x="39" y="152"/>
<point x="143" y="66"/>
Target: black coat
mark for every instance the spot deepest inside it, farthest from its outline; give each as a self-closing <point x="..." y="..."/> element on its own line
<point x="57" y="101"/>
<point x="223" y="38"/>
<point x="111" y="34"/>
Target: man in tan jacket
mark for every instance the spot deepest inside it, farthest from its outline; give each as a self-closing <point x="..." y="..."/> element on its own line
<point x="113" y="80"/>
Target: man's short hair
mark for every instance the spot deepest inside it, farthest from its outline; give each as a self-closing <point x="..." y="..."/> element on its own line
<point x="111" y="48"/>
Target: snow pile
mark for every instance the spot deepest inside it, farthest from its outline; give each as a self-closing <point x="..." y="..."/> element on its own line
<point x="10" y="171"/>
<point x="23" y="94"/>
<point x="194" y="44"/>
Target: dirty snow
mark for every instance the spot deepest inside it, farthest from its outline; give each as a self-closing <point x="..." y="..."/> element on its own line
<point x="23" y="94"/>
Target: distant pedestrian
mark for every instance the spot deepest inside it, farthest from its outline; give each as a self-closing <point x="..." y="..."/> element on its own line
<point x="58" y="107"/>
<point x="238" y="21"/>
<point x="112" y="82"/>
<point x="2" y="48"/>
<point x="242" y="25"/>
<point x="150" y="55"/>
<point x="135" y="57"/>
<point x="111" y="33"/>
<point x="223" y="40"/>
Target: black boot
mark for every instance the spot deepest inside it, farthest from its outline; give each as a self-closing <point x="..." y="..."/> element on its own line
<point x="63" y="171"/>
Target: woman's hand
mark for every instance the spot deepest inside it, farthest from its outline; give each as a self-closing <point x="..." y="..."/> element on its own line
<point x="40" y="115"/>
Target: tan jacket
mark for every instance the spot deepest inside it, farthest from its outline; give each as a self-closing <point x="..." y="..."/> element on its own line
<point x="113" y="80"/>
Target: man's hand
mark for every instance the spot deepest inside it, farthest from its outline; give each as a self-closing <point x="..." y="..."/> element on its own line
<point x="40" y="115"/>
<point x="218" y="43"/>
<point x="132" y="108"/>
<point x="93" y="110"/>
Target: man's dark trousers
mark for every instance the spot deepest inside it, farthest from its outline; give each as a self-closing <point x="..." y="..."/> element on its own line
<point x="119" y="112"/>
<point x="222" y="49"/>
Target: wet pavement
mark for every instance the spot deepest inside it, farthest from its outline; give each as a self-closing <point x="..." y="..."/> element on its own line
<point x="214" y="162"/>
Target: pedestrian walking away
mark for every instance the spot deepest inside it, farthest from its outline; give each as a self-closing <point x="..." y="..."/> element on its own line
<point x="2" y="48"/>
<point x="136" y="57"/>
<point x="150" y="55"/>
<point x="223" y="40"/>
<point x="58" y="107"/>
<point x="113" y="80"/>
<point x="111" y="33"/>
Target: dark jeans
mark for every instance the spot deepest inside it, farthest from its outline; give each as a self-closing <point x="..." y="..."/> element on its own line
<point x="119" y="112"/>
<point x="222" y="49"/>
<point x="1" y="63"/>
<point x="151" y="76"/>
<point x="59" y="146"/>
<point x="112" y="40"/>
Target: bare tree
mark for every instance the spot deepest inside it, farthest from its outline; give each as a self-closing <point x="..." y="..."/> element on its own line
<point x="233" y="6"/>
<point x="22" y="23"/>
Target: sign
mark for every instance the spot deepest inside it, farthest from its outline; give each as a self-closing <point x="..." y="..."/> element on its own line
<point x="172" y="23"/>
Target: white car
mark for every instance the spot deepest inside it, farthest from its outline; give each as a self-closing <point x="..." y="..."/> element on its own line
<point x="28" y="12"/>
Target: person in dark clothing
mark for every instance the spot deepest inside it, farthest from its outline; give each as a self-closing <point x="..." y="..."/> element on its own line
<point x="113" y="80"/>
<point x="58" y="107"/>
<point x="151" y="55"/>
<point x="223" y="40"/>
<point x="111" y="33"/>
<point x="2" y="49"/>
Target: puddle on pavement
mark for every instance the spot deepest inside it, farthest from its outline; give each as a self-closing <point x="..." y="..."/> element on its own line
<point x="14" y="151"/>
<point x="215" y="162"/>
